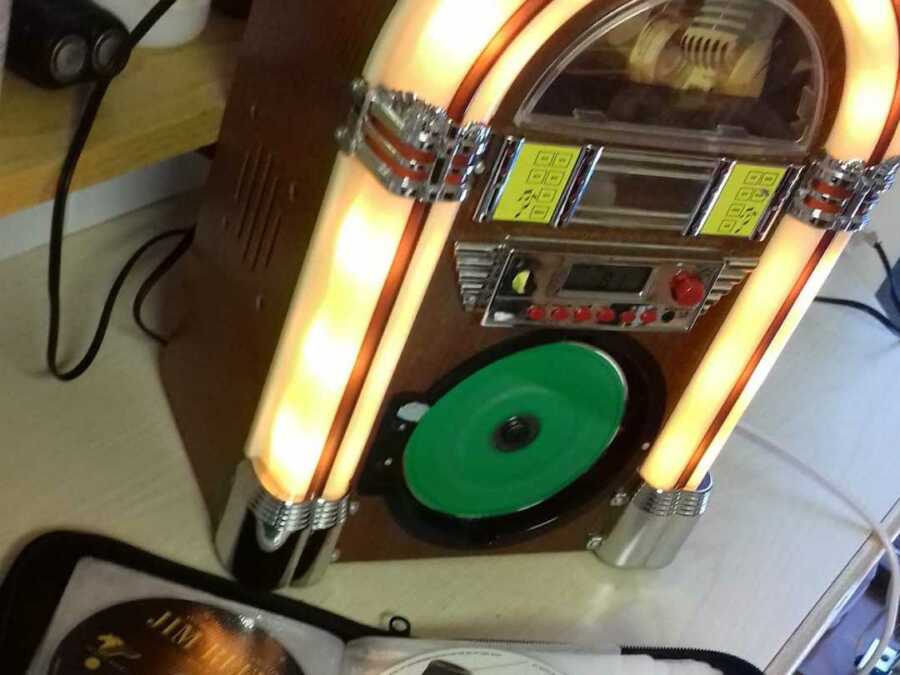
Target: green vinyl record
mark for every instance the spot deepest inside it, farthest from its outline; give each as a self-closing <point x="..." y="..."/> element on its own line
<point x="516" y="432"/>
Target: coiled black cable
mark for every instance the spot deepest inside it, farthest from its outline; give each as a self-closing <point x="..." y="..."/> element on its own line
<point x="60" y="201"/>
<point x="879" y="316"/>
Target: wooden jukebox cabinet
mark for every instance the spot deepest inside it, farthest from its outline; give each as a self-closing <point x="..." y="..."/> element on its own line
<point x="502" y="275"/>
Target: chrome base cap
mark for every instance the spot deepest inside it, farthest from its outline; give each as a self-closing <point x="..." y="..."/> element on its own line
<point x="268" y="543"/>
<point x="654" y="526"/>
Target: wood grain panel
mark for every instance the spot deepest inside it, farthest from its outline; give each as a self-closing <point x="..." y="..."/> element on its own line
<point x="273" y="163"/>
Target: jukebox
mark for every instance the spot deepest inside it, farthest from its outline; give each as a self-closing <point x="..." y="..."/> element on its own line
<point x="501" y="276"/>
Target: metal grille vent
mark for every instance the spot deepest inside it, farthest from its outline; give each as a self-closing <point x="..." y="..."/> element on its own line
<point x="734" y="272"/>
<point x="477" y="266"/>
<point x="258" y="212"/>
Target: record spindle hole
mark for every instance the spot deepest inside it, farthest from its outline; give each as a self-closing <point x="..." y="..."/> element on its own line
<point x="516" y="433"/>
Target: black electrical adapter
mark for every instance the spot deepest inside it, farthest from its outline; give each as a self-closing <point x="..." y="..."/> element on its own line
<point x="55" y="43"/>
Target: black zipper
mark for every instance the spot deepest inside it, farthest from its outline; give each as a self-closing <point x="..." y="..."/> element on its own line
<point x="727" y="663"/>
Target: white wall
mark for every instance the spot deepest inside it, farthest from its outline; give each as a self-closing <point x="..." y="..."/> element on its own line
<point x="30" y="227"/>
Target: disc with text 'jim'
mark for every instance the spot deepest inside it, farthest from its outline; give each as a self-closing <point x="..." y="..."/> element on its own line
<point x="158" y="636"/>
<point x="516" y="432"/>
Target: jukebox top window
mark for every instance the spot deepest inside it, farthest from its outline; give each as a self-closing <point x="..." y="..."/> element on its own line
<point x="740" y="75"/>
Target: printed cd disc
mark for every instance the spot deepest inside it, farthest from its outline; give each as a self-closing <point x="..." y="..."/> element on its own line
<point x="156" y="636"/>
<point x="516" y="432"/>
<point x="469" y="661"/>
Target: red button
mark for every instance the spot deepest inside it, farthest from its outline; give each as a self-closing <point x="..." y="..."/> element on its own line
<point x="536" y="313"/>
<point x="688" y="289"/>
<point x="559" y="314"/>
<point x="583" y="314"/>
<point x="649" y="316"/>
<point x="606" y="315"/>
<point x="627" y="317"/>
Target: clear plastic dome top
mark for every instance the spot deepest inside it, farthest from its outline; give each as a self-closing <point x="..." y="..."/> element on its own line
<point x="698" y="75"/>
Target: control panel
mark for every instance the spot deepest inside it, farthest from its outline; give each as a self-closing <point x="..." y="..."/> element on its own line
<point x="542" y="283"/>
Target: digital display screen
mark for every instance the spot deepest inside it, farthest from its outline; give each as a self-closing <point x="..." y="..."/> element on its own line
<point x="607" y="278"/>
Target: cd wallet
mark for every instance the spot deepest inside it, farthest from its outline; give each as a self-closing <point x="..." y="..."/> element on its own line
<point x="76" y="604"/>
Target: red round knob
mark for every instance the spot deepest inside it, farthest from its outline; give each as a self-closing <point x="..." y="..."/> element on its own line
<point x="582" y="314"/>
<point x="627" y="317"/>
<point x="649" y="316"/>
<point x="536" y="313"/>
<point x="688" y="289"/>
<point x="606" y="315"/>
<point x="559" y="314"/>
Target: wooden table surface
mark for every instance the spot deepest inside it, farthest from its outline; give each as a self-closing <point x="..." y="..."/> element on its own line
<point x="102" y="454"/>
<point x="166" y="102"/>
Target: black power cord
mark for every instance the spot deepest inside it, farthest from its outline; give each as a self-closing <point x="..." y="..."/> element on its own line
<point x="158" y="273"/>
<point x="882" y="318"/>
<point x="60" y="200"/>
<point x="106" y="313"/>
<point x="879" y="316"/>
<point x="888" y="270"/>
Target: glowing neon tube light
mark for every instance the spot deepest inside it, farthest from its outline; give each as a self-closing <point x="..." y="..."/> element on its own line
<point x="437" y="228"/>
<point x="870" y="36"/>
<point x="426" y="46"/>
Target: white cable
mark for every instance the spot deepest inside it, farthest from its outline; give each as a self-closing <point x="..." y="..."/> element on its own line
<point x="893" y="604"/>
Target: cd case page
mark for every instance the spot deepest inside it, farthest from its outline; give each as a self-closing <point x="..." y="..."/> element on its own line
<point x="115" y="620"/>
<point x="399" y="656"/>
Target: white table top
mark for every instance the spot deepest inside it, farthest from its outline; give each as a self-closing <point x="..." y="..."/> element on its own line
<point x="103" y="454"/>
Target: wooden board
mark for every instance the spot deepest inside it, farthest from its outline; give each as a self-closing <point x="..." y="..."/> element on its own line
<point x="167" y="102"/>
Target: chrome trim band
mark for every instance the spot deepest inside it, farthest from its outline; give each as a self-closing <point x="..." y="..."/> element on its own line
<point x="413" y="148"/>
<point x="578" y="184"/>
<point x="780" y="201"/>
<point x="841" y="195"/>
<point x="717" y="181"/>
<point x="328" y="514"/>
<point x="266" y="542"/>
<point x="506" y="159"/>
<point x="275" y="513"/>
<point x="667" y="503"/>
